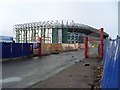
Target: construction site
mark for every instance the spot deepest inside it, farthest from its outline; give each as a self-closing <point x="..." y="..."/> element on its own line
<point x="55" y="35"/>
<point x="52" y="32"/>
<point x="60" y="54"/>
<point x="60" y="44"/>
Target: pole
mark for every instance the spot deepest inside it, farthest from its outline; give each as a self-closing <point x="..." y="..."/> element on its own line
<point x="86" y="47"/>
<point x="101" y="43"/>
<point x="40" y="47"/>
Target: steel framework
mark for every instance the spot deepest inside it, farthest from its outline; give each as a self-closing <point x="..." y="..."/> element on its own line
<point x="30" y="32"/>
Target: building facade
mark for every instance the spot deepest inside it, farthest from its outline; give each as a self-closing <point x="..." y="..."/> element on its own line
<point x="51" y="32"/>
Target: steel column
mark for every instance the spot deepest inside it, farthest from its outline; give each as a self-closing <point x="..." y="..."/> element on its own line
<point x="40" y="47"/>
<point x="86" y="47"/>
<point x="101" y="42"/>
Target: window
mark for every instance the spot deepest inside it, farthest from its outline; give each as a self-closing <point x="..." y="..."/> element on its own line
<point x="68" y="37"/>
<point x="72" y="37"/>
<point x="76" y="37"/>
<point x="72" y="41"/>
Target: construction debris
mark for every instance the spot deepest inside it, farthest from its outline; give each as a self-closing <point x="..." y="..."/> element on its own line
<point x="86" y="64"/>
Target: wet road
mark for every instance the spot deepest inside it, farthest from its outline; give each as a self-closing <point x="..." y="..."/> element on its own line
<point x="24" y="73"/>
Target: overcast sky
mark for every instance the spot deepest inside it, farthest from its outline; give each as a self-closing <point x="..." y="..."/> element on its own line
<point x="93" y="13"/>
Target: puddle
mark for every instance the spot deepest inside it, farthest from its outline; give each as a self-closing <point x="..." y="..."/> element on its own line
<point x="11" y="79"/>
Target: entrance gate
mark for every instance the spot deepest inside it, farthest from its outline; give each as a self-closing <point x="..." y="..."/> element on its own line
<point x="92" y="43"/>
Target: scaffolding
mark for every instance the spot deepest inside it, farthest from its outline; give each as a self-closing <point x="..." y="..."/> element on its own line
<point x="49" y="31"/>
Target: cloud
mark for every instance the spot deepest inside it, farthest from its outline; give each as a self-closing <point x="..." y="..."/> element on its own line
<point x="96" y="14"/>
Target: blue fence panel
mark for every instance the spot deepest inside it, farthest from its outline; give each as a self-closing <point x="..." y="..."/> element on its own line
<point x="111" y="62"/>
<point x="106" y="65"/>
<point x="0" y="50"/>
<point x="114" y="69"/>
<point x="25" y="49"/>
<point x="118" y="58"/>
<point x="111" y="69"/>
<point x="6" y="50"/>
<point x="16" y="50"/>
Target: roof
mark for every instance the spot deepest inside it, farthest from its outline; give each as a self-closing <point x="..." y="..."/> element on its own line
<point x="87" y="30"/>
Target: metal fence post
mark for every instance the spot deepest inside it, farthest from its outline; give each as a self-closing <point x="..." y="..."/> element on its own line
<point x="101" y="42"/>
<point x="40" y="47"/>
<point x="86" y="47"/>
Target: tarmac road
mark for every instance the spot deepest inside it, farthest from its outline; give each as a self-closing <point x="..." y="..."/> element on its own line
<point x="24" y="73"/>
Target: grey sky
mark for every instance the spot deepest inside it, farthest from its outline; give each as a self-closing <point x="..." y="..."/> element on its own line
<point x="119" y="18"/>
<point x="95" y="14"/>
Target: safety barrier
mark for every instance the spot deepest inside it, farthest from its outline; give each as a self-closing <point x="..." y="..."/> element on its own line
<point x="111" y="64"/>
<point x="57" y="48"/>
<point x="15" y="50"/>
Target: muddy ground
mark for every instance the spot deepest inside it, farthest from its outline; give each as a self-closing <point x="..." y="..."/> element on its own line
<point x="83" y="74"/>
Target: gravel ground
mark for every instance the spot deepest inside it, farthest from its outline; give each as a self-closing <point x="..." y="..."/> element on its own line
<point x="80" y="75"/>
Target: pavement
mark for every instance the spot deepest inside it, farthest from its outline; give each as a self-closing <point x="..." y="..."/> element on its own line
<point x="79" y="75"/>
<point x="26" y="73"/>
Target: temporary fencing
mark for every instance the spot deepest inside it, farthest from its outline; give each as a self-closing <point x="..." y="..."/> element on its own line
<point x="56" y="48"/>
<point x="111" y="64"/>
<point x="94" y="45"/>
<point x="15" y="50"/>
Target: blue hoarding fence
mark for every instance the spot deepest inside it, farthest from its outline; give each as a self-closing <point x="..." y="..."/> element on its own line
<point x="15" y="50"/>
<point x="111" y="64"/>
<point x="5" y="50"/>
